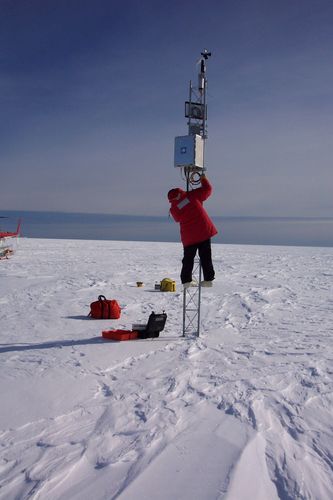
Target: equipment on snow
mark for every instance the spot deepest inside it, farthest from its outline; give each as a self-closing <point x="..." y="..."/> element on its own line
<point x="168" y="285"/>
<point x="152" y="329"/>
<point x="104" y="309"/>
<point x="120" y="334"/>
<point x="155" y="325"/>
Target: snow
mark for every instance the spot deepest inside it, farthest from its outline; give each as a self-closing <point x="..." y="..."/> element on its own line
<point x="242" y="412"/>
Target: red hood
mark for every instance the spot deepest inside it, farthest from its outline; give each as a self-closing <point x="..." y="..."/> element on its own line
<point x="174" y="193"/>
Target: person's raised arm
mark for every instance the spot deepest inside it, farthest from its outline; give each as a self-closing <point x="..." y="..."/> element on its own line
<point x="203" y="192"/>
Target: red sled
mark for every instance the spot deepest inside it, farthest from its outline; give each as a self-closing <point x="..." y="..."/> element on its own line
<point x="120" y="334"/>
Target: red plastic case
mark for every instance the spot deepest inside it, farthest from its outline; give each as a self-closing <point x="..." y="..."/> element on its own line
<point x="120" y="334"/>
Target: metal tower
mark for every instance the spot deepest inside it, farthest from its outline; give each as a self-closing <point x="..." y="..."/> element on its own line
<point x="192" y="302"/>
<point x="189" y="155"/>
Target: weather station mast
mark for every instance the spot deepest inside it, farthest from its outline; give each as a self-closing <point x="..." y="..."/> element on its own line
<point x="189" y="156"/>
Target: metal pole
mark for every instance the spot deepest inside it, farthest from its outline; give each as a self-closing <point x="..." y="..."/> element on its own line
<point x="199" y="300"/>
<point x="190" y="101"/>
<point x="184" y="312"/>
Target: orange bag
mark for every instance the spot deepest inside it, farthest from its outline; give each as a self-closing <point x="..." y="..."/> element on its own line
<point x="105" y="309"/>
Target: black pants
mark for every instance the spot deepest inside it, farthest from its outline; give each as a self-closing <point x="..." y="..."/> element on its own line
<point x="205" y="254"/>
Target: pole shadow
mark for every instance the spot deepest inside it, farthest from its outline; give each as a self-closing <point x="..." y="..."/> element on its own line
<point x="59" y="344"/>
<point x="81" y="316"/>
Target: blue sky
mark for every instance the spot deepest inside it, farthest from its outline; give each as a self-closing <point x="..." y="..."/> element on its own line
<point x="92" y="95"/>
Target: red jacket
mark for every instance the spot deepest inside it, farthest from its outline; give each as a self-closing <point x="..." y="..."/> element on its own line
<point x="186" y="208"/>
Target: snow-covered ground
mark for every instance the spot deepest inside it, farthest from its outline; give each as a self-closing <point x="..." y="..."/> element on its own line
<point x="243" y="412"/>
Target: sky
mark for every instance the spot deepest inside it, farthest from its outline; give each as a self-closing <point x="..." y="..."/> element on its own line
<point x="92" y="96"/>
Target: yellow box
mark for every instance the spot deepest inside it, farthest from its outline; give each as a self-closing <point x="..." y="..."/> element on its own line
<point x="168" y="285"/>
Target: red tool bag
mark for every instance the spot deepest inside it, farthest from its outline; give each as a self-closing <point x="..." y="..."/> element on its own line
<point x="105" y="309"/>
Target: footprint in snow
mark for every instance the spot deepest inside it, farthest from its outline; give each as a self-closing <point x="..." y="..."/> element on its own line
<point x="105" y="390"/>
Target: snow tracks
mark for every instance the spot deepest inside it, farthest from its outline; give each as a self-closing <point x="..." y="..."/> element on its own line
<point x="245" y="411"/>
<point x="159" y="403"/>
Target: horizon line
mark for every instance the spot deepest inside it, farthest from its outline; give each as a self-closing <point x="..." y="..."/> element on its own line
<point x="314" y="217"/>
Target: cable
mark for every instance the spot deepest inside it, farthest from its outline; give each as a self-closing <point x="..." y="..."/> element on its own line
<point x="195" y="178"/>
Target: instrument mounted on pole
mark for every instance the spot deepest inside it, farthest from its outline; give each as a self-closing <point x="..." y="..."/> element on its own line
<point x="190" y="149"/>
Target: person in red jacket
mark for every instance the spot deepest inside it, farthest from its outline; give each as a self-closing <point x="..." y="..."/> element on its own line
<point x="196" y="230"/>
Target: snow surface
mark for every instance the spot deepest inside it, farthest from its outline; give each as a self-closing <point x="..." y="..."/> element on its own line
<point x="243" y="412"/>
